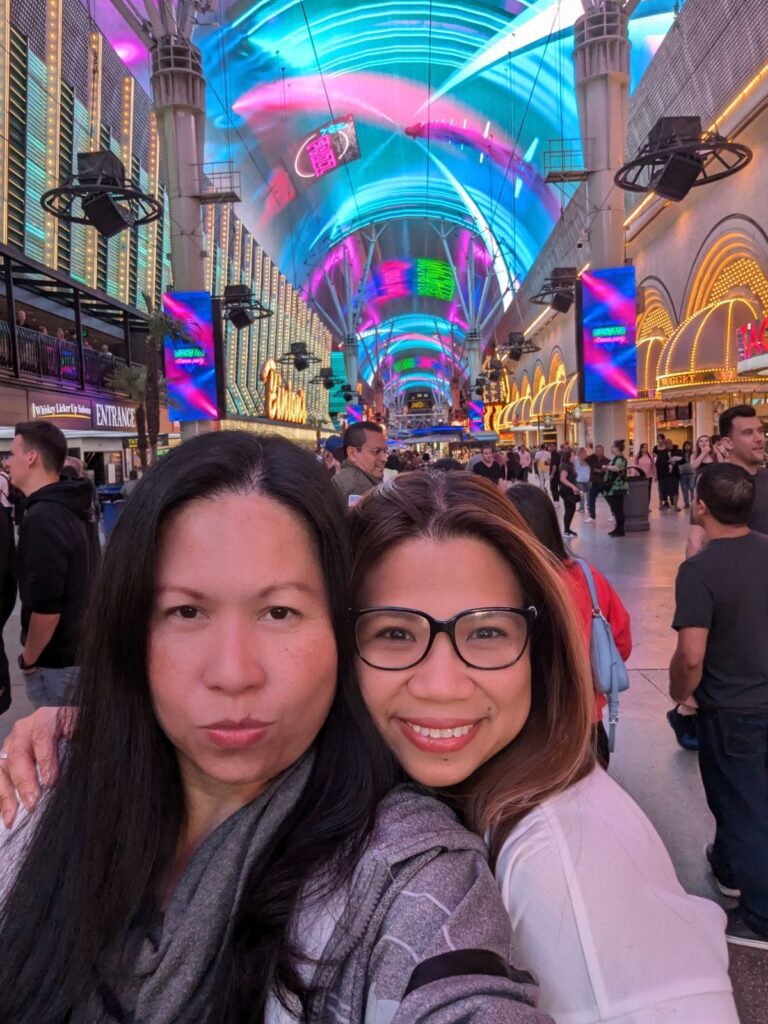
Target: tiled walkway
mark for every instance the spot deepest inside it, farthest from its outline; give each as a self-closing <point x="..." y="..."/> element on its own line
<point x="662" y="778"/>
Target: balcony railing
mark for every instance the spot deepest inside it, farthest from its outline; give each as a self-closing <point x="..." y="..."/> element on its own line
<point x="43" y="355"/>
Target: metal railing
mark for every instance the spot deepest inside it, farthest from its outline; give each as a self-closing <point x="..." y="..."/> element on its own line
<point x="43" y="355"/>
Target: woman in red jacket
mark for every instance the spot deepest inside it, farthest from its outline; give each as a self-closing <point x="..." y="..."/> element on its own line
<point x="538" y="511"/>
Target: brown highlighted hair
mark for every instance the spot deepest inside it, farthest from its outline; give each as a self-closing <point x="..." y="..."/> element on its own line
<point x="552" y="751"/>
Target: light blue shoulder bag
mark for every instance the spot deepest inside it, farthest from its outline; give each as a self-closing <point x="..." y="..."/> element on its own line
<point x="608" y="668"/>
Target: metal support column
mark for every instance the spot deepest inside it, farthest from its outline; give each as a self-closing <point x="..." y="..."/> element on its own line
<point x="127" y="339"/>
<point x="601" y="58"/>
<point x="79" y="336"/>
<point x="11" y="303"/>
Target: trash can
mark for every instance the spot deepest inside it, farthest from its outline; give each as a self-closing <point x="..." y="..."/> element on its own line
<point x="110" y="511"/>
<point x="637" y="502"/>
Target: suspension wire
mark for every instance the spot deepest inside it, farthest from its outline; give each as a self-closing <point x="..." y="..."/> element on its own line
<point x="429" y="108"/>
<point x="516" y="140"/>
<point x="330" y="106"/>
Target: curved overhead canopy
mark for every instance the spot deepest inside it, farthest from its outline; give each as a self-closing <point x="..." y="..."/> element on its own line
<point x="419" y="116"/>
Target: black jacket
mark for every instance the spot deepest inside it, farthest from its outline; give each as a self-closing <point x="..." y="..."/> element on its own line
<point x="57" y="560"/>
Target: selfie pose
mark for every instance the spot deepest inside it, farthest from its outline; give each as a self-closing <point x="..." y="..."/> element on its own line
<point x="227" y="841"/>
<point x="483" y="693"/>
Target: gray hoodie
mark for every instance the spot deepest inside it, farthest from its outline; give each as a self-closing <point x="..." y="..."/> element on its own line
<point x="421" y="898"/>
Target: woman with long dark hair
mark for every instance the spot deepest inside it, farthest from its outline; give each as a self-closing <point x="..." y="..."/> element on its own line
<point x="569" y="492"/>
<point x="225" y="845"/>
<point x="538" y="512"/>
<point x="483" y="691"/>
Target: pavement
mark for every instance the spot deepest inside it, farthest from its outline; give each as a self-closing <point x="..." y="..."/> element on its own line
<point x="648" y="763"/>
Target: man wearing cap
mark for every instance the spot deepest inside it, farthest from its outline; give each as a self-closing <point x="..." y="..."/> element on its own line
<point x="333" y="454"/>
<point x="365" y="456"/>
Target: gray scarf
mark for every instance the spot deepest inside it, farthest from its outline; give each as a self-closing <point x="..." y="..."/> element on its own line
<point x="169" y="976"/>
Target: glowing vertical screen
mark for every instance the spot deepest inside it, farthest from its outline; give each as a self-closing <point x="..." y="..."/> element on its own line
<point x="606" y="325"/>
<point x="190" y="364"/>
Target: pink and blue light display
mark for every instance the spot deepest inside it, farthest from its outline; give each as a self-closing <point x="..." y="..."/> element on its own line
<point x="190" y="361"/>
<point x="606" y="338"/>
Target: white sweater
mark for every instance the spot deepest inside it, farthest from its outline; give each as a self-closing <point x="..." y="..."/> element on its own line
<point x="601" y="920"/>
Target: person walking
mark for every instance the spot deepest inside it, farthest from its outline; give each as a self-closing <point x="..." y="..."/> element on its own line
<point x="488" y="468"/>
<point x="687" y="473"/>
<point x="720" y="666"/>
<point x="582" y="477"/>
<point x="524" y="454"/>
<point x="617" y="486"/>
<point x="674" y="459"/>
<point x="542" y="461"/>
<point x="569" y="491"/>
<point x="554" y="474"/>
<point x="57" y="560"/>
<point x="597" y="463"/>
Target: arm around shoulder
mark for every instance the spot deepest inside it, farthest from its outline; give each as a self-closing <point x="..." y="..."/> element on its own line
<point x="442" y="955"/>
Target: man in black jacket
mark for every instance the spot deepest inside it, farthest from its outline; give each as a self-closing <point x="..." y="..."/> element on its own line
<point x="57" y="558"/>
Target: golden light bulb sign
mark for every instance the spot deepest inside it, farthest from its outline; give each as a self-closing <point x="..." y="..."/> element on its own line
<point x="281" y="401"/>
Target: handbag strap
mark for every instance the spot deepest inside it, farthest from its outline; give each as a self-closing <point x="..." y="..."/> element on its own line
<point x="586" y="569"/>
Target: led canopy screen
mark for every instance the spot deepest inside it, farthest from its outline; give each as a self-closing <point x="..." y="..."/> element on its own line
<point x="606" y="325"/>
<point x="190" y="360"/>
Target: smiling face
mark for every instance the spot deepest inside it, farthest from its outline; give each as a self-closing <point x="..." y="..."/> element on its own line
<point x="482" y="709"/>
<point x="242" y="655"/>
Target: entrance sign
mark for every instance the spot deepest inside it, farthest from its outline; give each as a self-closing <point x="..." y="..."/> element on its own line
<point x="281" y="401"/>
<point x="606" y="309"/>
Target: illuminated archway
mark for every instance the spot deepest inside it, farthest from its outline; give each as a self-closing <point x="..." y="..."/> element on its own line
<point x="539" y="378"/>
<point x="556" y="367"/>
<point x="731" y="266"/>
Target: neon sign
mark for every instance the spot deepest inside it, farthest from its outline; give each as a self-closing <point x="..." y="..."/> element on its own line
<point x="281" y="401"/>
<point x="328" y="147"/>
<point x="430" y="279"/>
<point x="753" y="340"/>
<point x="435" y="280"/>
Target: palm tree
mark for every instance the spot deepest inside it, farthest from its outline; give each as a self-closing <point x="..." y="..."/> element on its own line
<point x="160" y="326"/>
<point x="132" y="381"/>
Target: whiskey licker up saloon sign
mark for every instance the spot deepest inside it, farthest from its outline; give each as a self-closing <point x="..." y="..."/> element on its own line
<point x="281" y="402"/>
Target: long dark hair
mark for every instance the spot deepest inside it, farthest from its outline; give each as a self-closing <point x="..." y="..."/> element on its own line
<point x="537" y="510"/>
<point x="110" y="827"/>
<point x="552" y="751"/>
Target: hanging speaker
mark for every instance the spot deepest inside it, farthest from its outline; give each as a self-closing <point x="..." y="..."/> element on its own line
<point x="108" y="217"/>
<point x="677" y="176"/>
<point x="561" y="302"/>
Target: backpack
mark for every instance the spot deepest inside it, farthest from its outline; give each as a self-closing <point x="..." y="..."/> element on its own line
<point x="608" y="669"/>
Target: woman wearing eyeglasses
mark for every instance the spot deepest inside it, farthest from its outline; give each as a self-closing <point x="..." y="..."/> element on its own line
<point x="484" y="694"/>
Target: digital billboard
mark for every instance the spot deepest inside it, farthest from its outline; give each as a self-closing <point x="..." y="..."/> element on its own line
<point x="336" y="401"/>
<point x="190" y="359"/>
<point x="476" y="414"/>
<point x="605" y="326"/>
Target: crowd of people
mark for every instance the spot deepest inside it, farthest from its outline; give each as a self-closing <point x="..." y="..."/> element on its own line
<point x="61" y="333"/>
<point x="289" y="770"/>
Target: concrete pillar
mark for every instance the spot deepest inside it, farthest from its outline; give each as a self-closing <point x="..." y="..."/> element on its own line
<point x="178" y="94"/>
<point x="601" y="58"/>
<point x="350" y="360"/>
<point x="703" y="418"/>
<point x="474" y="355"/>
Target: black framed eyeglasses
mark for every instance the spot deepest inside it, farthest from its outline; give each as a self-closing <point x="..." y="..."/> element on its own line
<point x="393" y="639"/>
